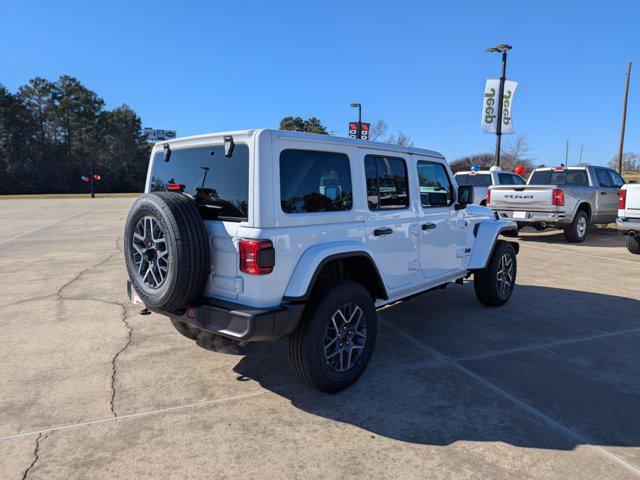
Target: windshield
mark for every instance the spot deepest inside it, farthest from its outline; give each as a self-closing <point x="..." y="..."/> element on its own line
<point x="479" y="180"/>
<point x="220" y="185"/>
<point x="559" y="177"/>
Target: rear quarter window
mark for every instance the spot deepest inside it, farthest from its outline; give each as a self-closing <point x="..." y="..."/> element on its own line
<point x="314" y="181"/>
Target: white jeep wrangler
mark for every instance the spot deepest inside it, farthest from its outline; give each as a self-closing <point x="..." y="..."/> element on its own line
<point x="262" y="234"/>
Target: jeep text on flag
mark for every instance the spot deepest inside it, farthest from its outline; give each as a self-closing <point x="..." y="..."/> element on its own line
<point x="490" y="106"/>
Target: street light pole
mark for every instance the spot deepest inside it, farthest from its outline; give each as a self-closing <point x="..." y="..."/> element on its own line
<point x="359" y="130"/>
<point x="502" y="49"/>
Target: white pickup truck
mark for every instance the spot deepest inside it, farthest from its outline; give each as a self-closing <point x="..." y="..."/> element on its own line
<point x="570" y="198"/>
<point x="628" y="221"/>
<point x="481" y="180"/>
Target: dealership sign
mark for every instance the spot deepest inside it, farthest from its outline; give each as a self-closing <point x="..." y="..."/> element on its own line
<point x="364" y="132"/>
<point x="490" y="106"/>
<point x="153" y="135"/>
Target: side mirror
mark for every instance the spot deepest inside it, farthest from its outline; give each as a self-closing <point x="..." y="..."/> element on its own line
<point x="465" y="196"/>
<point x="167" y="152"/>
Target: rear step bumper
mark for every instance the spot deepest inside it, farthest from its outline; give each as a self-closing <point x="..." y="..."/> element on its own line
<point x="628" y="225"/>
<point x="533" y="217"/>
<point x="240" y="322"/>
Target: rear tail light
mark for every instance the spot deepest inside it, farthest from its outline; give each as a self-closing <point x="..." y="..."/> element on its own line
<point x="622" y="200"/>
<point x="257" y="257"/>
<point x="488" y="196"/>
<point x="558" y="197"/>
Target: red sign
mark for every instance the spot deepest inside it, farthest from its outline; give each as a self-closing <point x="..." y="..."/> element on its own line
<point x="364" y="130"/>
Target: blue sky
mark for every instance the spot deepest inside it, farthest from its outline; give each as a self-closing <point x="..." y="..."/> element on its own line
<point x="206" y="66"/>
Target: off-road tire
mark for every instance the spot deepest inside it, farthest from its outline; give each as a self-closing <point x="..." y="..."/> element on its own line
<point x="306" y="343"/>
<point x="485" y="282"/>
<point x="572" y="232"/>
<point x="633" y="244"/>
<point x="187" y="246"/>
<point x="185" y="329"/>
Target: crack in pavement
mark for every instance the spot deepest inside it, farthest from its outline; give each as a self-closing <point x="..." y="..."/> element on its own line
<point x="59" y="295"/>
<point x="74" y="279"/>
<point x="114" y="369"/>
<point x="36" y="452"/>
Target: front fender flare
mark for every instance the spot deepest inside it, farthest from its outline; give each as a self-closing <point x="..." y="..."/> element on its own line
<point x="312" y="261"/>
<point x="486" y="234"/>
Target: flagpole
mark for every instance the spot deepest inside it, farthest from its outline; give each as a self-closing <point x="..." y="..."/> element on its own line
<point x="503" y="49"/>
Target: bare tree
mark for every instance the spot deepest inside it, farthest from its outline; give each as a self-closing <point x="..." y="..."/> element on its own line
<point x="518" y="148"/>
<point x="401" y="139"/>
<point x="482" y="160"/>
<point x="378" y="130"/>
<point x="630" y="162"/>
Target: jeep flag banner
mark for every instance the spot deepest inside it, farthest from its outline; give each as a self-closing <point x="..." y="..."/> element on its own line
<point x="490" y="106"/>
<point x="353" y="130"/>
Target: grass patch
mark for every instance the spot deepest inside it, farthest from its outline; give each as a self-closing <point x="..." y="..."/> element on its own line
<point x="629" y="176"/>
<point x="69" y="195"/>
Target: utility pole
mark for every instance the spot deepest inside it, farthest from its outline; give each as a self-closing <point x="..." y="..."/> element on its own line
<point x="502" y="49"/>
<point x="624" y="118"/>
<point x="566" y="154"/>
<point x="581" y="149"/>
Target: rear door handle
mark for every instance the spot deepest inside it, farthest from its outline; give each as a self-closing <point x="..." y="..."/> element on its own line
<point x="603" y="193"/>
<point x="382" y="231"/>
<point x="428" y="226"/>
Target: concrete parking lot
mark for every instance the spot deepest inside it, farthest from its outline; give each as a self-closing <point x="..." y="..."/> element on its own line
<point x="547" y="386"/>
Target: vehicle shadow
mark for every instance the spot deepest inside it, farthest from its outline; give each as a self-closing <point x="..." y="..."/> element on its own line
<point x="596" y="237"/>
<point x="411" y="395"/>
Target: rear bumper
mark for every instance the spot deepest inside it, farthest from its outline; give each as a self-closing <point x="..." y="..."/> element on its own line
<point x="239" y="322"/>
<point x="530" y="218"/>
<point x="627" y="225"/>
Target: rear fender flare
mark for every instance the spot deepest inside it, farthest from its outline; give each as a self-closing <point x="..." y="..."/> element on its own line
<point x="312" y="260"/>
<point x="579" y="206"/>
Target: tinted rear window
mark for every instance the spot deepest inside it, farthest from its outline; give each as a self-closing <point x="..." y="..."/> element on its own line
<point x="219" y="184"/>
<point x="559" y="177"/>
<point x="510" y="179"/>
<point x="478" y="180"/>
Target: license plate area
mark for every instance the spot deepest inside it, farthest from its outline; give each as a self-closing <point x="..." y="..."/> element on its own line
<point x="133" y="295"/>
<point x="520" y="215"/>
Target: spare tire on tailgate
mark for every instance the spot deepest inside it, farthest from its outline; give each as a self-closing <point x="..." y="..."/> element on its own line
<point x="166" y="250"/>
